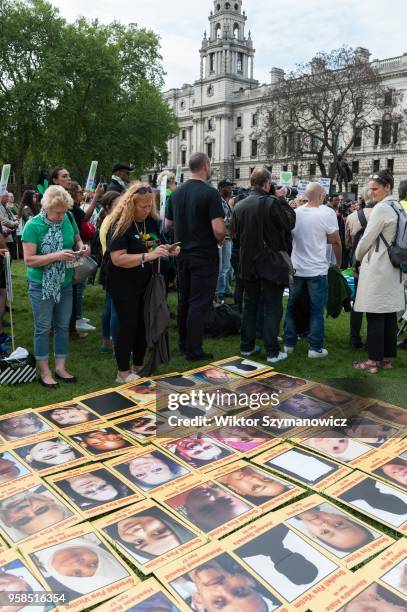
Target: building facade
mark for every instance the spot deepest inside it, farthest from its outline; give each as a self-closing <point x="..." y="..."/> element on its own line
<point x="219" y="113"/>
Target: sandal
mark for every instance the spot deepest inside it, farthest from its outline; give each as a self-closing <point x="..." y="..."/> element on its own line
<point x="386" y="364"/>
<point x="370" y="366"/>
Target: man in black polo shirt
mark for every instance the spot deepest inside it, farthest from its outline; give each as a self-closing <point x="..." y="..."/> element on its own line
<point x="195" y="211"/>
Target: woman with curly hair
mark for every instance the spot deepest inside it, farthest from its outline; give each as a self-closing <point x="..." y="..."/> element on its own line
<point x="133" y="244"/>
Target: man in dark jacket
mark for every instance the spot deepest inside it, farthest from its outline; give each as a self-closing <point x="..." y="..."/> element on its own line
<point x="120" y="177"/>
<point x="277" y="218"/>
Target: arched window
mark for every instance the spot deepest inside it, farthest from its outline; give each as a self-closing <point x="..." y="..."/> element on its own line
<point x="236" y="31"/>
<point x="218" y="30"/>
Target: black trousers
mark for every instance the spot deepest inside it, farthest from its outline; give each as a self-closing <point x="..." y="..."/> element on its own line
<point x="131" y="336"/>
<point x="381" y="335"/>
<point x="197" y="279"/>
<point x="238" y="294"/>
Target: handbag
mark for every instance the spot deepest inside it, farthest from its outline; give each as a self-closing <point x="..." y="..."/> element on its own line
<point x="17" y="371"/>
<point x="271" y="265"/>
<point x="86" y="268"/>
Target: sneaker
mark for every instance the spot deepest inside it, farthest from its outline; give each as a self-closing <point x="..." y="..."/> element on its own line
<point x="82" y="325"/>
<point x="249" y="353"/>
<point x="86" y="320"/>
<point x="317" y="354"/>
<point x="130" y="378"/>
<point x="280" y="357"/>
<point x="288" y="349"/>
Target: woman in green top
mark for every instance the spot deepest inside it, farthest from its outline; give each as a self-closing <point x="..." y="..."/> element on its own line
<point x="49" y="240"/>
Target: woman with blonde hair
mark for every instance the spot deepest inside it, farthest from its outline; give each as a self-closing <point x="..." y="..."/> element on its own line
<point x="133" y="243"/>
<point x="49" y="241"/>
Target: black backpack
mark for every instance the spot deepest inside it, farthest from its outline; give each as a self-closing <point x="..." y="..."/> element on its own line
<point x="358" y="236"/>
<point x="224" y="320"/>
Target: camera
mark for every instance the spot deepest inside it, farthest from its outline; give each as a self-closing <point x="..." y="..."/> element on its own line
<point x="292" y="192"/>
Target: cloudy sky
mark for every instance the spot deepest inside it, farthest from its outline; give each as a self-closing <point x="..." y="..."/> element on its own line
<point x="283" y="33"/>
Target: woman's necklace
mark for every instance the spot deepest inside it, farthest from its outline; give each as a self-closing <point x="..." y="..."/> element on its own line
<point x="141" y="234"/>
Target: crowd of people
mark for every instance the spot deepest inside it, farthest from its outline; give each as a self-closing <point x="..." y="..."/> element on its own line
<point x="205" y="238"/>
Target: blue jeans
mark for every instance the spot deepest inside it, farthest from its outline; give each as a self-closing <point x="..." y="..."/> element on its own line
<point x="318" y="294"/>
<point x="225" y="268"/>
<point x="46" y="313"/>
<point x="110" y="322"/>
<point x="266" y="297"/>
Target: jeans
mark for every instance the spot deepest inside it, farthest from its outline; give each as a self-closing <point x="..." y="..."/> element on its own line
<point x="381" y="335"/>
<point x="46" y="313"/>
<point x="318" y="294"/>
<point x="110" y="322"/>
<point x="269" y="297"/>
<point x="80" y="289"/>
<point x="197" y="279"/>
<point x="356" y="320"/>
<point x="225" y="268"/>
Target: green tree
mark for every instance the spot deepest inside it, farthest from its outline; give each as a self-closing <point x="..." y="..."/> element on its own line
<point x="30" y="78"/>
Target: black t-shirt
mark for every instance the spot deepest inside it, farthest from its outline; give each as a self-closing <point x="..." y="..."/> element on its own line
<point x="78" y="215"/>
<point x="192" y="207"/>
<point x="122" y="283"/>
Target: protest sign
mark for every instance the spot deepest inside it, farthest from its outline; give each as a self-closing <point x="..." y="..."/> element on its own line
<point x="90" y="182"/>
<point x="5" y="173"/>
<point x="178" y="174"/>
<point x="163" y="197"/>
<point x="286" y="179"/>
<point x="325" y="183"/>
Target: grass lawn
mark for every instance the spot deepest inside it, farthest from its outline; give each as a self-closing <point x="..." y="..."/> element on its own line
<point x="96" y="370"/>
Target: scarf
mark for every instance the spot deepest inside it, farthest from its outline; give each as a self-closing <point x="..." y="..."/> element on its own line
<point x="120" y="181"/>
<point x="54" y="274"/>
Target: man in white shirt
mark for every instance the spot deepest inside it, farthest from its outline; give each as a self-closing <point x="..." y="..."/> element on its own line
<point x="316" y="226"/>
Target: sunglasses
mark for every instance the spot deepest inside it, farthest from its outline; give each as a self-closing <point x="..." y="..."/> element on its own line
<point x="144" y="190"/>
<point x="379" y="179"/>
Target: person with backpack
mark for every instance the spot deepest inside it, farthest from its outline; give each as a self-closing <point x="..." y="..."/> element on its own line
<point x="380" y="289"/>
<point x="355" y="227"/>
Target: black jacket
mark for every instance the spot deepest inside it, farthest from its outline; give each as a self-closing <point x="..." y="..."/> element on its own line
<point x="279" y="221"/>
<point x="115" y="186"/>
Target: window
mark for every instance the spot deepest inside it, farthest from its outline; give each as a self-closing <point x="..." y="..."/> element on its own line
<point x="376" y="165"/>
<point x="270" y="145"/>
<point x="390" y="165"/>
<point x="270" y="169"/>
<point x="239" y="121"/>
<point x="251" y="170"/>
<point x="182" y="177"/>
<point x="210" y="90"/>
<point x="388" y="98"/>
<point x="183" y="158"/>
<point x="218" y="30"/>
<point x="295" y="169"/>
<point x="284" y="168"/>
<point x="357" y="140"/>
<point x="183" y="134"/>
<point x="395" y="132"/>
<point x="355" y="167"/>
<point x="354" y="189"/>
<point x="314" y="143"/>
<point x="209" y="150"/>
<point x="376" y="135"/>
<point x="386" y="132"/>
<point x="237" y="173"/>
<point x="210" y="124"/>
<point x="236" y="31"/>
<point x="285" y="142"/>
<point x="239" y="149"/>
<point x="254" y="119"/>
<point x="254" y="148"/>
<point x="312" y="169"/>
<point x="182" y="104"/>
<point x="211" y="62"/>
<point x="239" y="63"/>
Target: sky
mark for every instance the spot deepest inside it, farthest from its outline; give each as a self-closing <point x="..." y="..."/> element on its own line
<point x="284" y="33"/>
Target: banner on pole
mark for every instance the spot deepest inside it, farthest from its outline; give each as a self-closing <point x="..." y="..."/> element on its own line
<point x="9" y="280"/>
<point x="178" y="174"/>
<point x="5" y="173"/>
<point x="163" y="198"/>
<point x="90" y="183"/>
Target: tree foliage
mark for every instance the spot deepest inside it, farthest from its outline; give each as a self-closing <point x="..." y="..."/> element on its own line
<point x="70" y="93"/>
<point x="320" y="109"/>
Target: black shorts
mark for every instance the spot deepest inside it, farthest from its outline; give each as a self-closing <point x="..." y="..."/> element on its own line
<point x="2" y="278"/>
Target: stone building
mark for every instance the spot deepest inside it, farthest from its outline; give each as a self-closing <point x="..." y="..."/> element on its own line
<point x="219" y="113"/>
